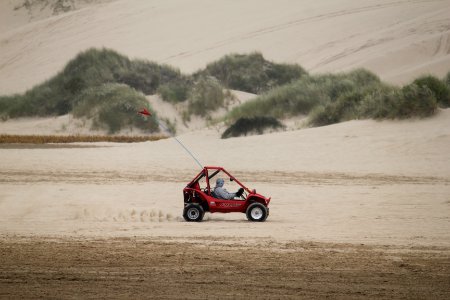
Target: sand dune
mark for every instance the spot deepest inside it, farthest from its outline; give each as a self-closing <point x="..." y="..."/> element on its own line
<point x="396" y="39"/>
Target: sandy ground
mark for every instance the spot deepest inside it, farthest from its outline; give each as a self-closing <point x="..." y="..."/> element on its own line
<point x="218" y="268"/>
<point x="399" y="40"/>
<point x="359" y="181"/>
<point x="359" y="209"/>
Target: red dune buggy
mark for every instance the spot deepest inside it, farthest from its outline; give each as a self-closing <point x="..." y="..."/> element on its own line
<point x="199" y="198"/>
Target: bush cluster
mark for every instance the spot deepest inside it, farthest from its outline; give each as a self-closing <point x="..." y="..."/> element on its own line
<point x="99" y="83"/>
<point x="206" y="95"/>
<point x="377" y="102"/>
<point x="254" y="125"/>
<point x="251" y="72"/>
<point x="90" y="73"/>
<point x="440" y="88"/>
<point x="359" y="94"/>
<point x="113" y="106"/>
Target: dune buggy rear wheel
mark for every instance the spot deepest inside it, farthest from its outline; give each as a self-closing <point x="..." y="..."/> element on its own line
<point x="257" y="212"/>
<point x="193" y="213"/>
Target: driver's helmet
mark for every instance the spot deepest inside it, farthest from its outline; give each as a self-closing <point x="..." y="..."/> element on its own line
<point x="219" y="182"/>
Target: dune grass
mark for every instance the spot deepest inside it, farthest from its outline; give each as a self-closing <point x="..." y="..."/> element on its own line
<point x="359" y="94"/>
<point x="440" y="88"/>
<point x="251" y="72"/>
<point x="109" y="88"/>
<point x="90" y="86"/>
<point x="64" y="139"/>
<point x="92" y="75"/>
<point x="112" y="107"/>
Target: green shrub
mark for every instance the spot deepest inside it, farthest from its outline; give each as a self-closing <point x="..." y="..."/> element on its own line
<point x="10" y="105"/>
<point x="174" y="91"/>
<point x="362" y="77"/>
<point x="99" y="83"/>
<point x="113" y="107"/>
<point x="244" y="126"/>
<point x="289" y="100"/>
<point x="207" y="95"/>
<point x="251" y="72"/>
<point x="392" y="103"/>
<point x="147" y="76"/>
<point x="343" y="109"/>
<point x="447" y="80"/>
<point x="439" y="88"/>
<point x="377" y="102"/>
<point x="85" y="86"/>
<point x="416" y="101"/>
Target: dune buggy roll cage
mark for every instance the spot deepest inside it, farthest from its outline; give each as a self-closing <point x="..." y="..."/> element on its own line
<point x="205" y="172"/>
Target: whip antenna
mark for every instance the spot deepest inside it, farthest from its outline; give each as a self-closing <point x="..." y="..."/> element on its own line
<point x="147" y="113"/>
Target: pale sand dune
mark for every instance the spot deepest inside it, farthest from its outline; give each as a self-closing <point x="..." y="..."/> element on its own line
<point x="396" y="39"/>
<point x="360" y="181"/>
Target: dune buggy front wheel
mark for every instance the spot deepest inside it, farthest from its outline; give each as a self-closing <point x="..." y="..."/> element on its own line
<point x="193" y="213"/>
<point x="257" y="212"/>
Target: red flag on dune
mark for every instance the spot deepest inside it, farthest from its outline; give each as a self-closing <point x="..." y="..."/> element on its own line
<point x="145" y="112"/>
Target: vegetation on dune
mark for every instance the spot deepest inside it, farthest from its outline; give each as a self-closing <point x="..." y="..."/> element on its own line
<point x="90" y="75"/>
<point x="89" y="78"/>
<point x="359" y="94"/>
<point x="254" y="125"/>
<point x="108" y="88"/>
<point x="251" y="72"/>
<point x="113" y="106"/>
<point x="447" y="80"/>
<point x="302" y="96"/>
<point x="206" y="96"/>
<point x="440" y="88"/>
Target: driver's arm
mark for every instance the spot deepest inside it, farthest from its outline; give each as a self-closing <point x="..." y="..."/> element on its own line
<point x="223" y="194"/>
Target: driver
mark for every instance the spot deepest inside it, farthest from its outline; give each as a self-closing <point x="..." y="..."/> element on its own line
<point x="222" y="193"/>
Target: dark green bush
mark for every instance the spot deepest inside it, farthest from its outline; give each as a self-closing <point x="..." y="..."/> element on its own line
<point x="175" y="92"/>
<point x="416" y="101"/>
<point x="147" y="76"/>
<point x="395" y="103"/>
<point x="439" y="88"/>
<point x="92" y="77"/>
<point x="296" y="98"/>
<point x="343" y="109"/>
<point x="251" y="72"/>
<point x="245" y="126"/>
<point x="362" y="77"/>
<point x="113" y="107"/>
<point x="376" y="102"/>
<point x="447" y="80"/>
<point x="207" y="95"/>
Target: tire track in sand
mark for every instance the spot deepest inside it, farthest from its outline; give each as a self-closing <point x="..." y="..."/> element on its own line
<point x="184" y="176"/>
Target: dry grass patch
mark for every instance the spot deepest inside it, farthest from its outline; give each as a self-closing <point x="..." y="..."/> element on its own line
<point x="64" y="139"/>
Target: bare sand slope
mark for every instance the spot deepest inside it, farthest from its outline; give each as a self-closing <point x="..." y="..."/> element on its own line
<point x="396" y="39"/>
<point x="361" y="182"/>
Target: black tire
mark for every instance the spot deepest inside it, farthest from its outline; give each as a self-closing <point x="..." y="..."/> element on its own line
<point x="193" y="212"/>
<point x="256" y="212"/>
